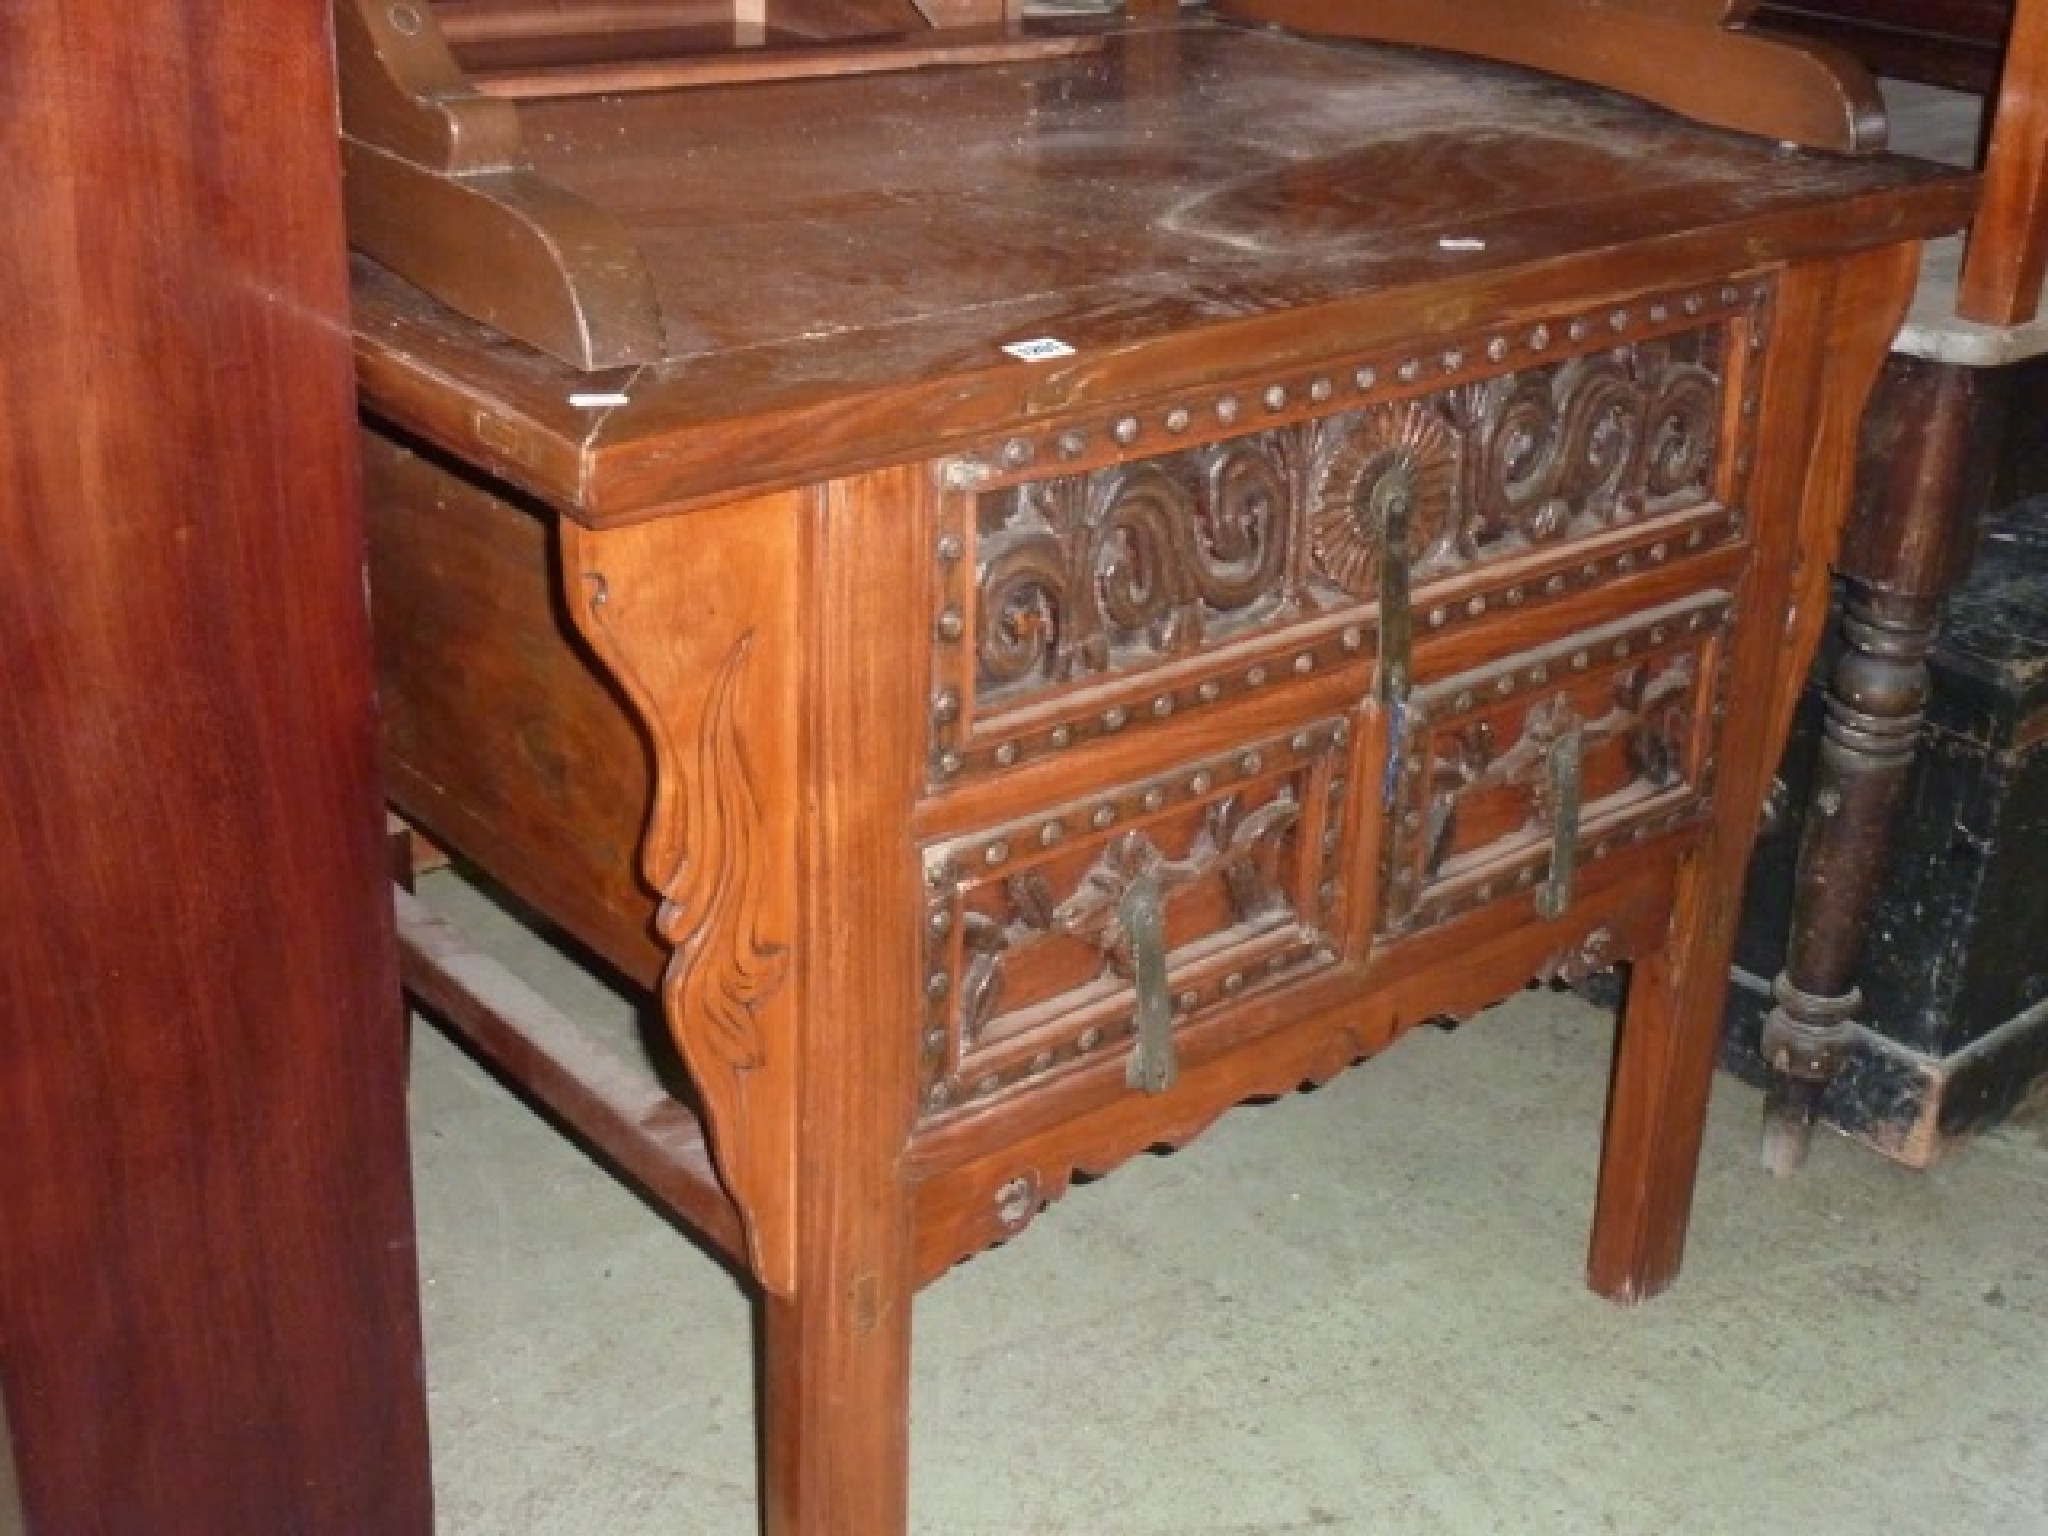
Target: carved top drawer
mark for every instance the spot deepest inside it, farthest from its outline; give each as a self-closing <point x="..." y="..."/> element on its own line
<point x="1106" y="576"/>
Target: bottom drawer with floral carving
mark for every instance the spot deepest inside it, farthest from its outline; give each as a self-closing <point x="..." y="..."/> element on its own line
<point x="1110" y="924"/>
<point x="1513" y="774"/>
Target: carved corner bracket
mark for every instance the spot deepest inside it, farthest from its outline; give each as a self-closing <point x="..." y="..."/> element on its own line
<point x="714" y="715"/>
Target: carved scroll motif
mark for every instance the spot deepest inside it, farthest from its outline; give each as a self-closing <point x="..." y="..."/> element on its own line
<point x="1147" y="559"/>
<point x="1465" y="761"/>
<point x="722" y="971"/>
<point x="1597" y="442"/>
<point x="1136" y="564"/>
<point x="703" y="854"/>
<point x="1030" y="967"/>
<point x="1228" y="845"/>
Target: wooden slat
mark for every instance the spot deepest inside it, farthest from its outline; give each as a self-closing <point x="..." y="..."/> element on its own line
<point x="619" y="1107"/>
<point x="473" y="21"/>
<point x="950" y="47"/>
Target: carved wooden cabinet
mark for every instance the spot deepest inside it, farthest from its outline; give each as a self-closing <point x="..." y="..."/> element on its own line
<point x="1141" y="574"/>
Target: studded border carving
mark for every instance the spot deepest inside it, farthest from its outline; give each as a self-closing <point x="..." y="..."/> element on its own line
<point x="1296" y="637"/>
<point x="1110" y="437"/>
<point x="1694" y="624"/>
<point x="1319" y="752"/>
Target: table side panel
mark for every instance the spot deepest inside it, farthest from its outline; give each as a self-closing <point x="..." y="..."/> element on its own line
<point x="701" y="623"/>
<point x="503" y="737"/>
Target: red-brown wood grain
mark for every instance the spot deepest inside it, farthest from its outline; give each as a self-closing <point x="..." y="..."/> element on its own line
<point x="208" y="1314"/>
<point x="2008" y="251"/>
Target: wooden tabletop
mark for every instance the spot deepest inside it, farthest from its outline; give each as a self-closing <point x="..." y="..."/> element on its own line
<point x="841" y="262"/>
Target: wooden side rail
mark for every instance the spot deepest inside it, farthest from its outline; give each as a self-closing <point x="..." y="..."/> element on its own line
<point x="616" y="1106"/>
<point x="490" y="21"/>
<point x="1690" y="56"/>
<point x="928" y="49"/>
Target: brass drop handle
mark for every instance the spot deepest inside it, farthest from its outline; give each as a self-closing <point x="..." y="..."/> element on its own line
<point x="1391" y="508"/>
<point x="1142" y="911"/>
<point x="1566" y="758"/>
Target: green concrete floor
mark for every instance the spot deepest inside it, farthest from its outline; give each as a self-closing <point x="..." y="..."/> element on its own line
<point x="1357" y="1310"/>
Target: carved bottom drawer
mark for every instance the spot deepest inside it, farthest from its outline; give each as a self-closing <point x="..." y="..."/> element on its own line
<point x="1103" y="929"/>
<point x="1513" y="775"/>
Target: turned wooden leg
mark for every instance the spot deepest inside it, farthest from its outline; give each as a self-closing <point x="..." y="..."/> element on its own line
<point x="1925" y="477"/>
<point x="1875" y="704"/>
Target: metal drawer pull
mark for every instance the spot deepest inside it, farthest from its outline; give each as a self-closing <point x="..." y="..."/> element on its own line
<point x="1565" y="756"/>
<point x="1143" y="914"/>
<point x="1391" y="505"/>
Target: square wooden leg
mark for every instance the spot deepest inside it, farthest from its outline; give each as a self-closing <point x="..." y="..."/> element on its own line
<point x="835" y="1410"/>
<point x="1656" y="1117"/>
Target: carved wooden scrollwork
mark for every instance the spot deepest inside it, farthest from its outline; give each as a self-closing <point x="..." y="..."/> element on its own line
<point x="722" y="970"/>
<point x="1234" y="844"/>
<point x="1601" y="440"/>
<point x="715" y="703"/>
<point x="1137" y="561"/>
<point x="1678" y="448"/>
<point x="702" y="855"/>
<point x="1135" y="564"/>
<point x="1242" y="530"/>
<point x="1661" y="704"/>
<point x="1228" y="845"/>
<point x="1466" y="760"/>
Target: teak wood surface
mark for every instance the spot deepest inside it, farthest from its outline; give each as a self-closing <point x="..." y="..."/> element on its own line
<point x="1388" y="589"/>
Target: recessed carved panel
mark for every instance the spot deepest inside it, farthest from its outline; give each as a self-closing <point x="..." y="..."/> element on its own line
<point x="1263" y="547"/>
<point x="1029" y="967"/>
<point x="1509" y="777"/>
<point x="1086" y="574"/>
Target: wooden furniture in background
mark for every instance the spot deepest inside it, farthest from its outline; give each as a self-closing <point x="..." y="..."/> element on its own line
<point x="1953" y="43"/>
<point x="1928" y="461"/>
<point x="208" y="1315"/>
<point x="2008" y="249"/>
<point x="1137" y="576"/>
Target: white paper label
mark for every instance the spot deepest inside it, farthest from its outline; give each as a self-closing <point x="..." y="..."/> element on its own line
<point x="1039" y="350"/>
